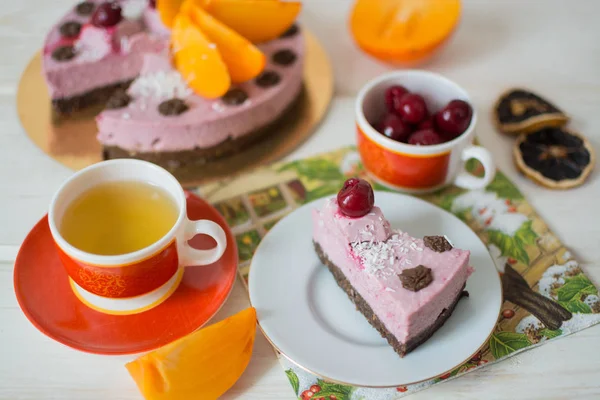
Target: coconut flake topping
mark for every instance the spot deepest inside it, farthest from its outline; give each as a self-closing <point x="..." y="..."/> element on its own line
<point x="161" y="85"/>
<point x="377" y="257"/>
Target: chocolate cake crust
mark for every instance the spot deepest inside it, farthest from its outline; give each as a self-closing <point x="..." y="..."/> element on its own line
<point x="69" y="105"/>
<point x="361" y="305"/>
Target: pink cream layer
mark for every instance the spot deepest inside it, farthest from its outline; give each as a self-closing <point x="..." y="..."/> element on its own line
<point x="104" y="56"/>
<point x="154" y="24"/>
<point x="372" y="267"/>
<point x="139" y="127"/>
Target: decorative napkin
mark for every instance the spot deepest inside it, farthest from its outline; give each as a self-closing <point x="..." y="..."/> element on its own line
<point x="524" y="250"/>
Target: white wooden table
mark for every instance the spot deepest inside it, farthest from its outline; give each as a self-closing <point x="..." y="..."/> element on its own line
<point x="552" y="46"/>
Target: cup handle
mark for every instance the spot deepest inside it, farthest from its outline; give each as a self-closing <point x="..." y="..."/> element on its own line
<point x="466" y="180"/>
<point x="190" y="256"/>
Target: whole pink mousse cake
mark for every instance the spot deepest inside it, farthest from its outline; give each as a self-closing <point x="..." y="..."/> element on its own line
<point x="84" y="63"/>
<point x="118" y="53"/>
<point x="406" y="287"/>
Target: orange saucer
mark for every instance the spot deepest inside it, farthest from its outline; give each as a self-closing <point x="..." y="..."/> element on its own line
<point x="43" y="292"/>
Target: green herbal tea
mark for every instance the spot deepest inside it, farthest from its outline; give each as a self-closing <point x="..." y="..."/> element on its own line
<point x="118" y="217"/>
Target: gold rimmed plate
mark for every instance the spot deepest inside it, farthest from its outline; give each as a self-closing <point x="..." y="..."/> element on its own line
<point x="72" y="141"/>
<point x="311" y="321"/>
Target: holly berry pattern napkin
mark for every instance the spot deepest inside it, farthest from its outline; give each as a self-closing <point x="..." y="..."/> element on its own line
<point x="527" y="255"/>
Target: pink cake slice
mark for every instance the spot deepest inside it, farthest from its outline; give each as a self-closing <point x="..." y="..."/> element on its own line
<point x="406" y="287"/>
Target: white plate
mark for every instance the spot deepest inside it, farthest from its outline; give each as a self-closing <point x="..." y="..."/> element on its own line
<point x="311" y="321"/>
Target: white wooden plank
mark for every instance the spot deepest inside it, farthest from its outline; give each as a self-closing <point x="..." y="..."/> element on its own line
<point x="538" y="43"/>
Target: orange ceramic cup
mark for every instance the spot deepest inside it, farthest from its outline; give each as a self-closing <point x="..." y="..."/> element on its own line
<point x="133" y="282"/>
<point x="417" y="169"/>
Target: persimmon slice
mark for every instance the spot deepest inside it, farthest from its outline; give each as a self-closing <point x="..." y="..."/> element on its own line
<point x="167" y="10"/>
<point x="403" y="30"/>
<point x="244" y="60"/>
<point x="256" y="20"/>
<point x="202" y="365"/>
<point x="198" y="59"/>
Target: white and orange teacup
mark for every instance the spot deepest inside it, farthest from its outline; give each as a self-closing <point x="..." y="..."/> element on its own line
<point x="133" y="282"/>
<point x="417" y="169"/>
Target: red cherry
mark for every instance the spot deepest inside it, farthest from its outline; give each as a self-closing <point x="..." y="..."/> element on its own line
<point x="392" y="97"/>
<point x="412" y="108"/>
<point x="394" y="128"/>
<point x="332" y="397"/>
<point x="401" y="389"/>
<point x="445" y="376"/>
<point x="307" y="394"/>
<point x="425" y="137"/>
<point x="107" y="14"/>
<point x="446" y="137"/>
<point x="511" y="260"/>
<point x="356" y="198"/>
<point x="426" y="124"/>
<point x="508" y="313"/>
<point x="512" y="209"/>
<point x="455" y="118"/>
<point x="315" y="388"/>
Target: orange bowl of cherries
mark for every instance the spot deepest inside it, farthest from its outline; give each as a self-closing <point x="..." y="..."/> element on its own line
<point x="415" y="130"/>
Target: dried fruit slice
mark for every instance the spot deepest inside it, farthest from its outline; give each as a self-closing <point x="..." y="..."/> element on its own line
<point x="256" y="20"/>
<point x="244" y="60"/>
<point x="554" y="157"/>
<point x="202" y="365"/>
<point x="198" y="60"/>
<point x="167" y="10"/>
<point x="403" y="30"/>
<point x="522" y="111"/>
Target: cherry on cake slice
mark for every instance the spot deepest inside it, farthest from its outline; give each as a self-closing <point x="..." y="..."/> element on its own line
<point x="406" y="287"/>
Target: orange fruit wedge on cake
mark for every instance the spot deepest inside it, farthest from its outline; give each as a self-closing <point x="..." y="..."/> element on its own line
<point x="256" y="20"/>
<point x="244" y="60"/>
<point x="212" y="39"/>
<point x="198" y="60"/>
<point x="167" y="10"/>
<point x="202" y="365"/>
<point x="403" y="31"/>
